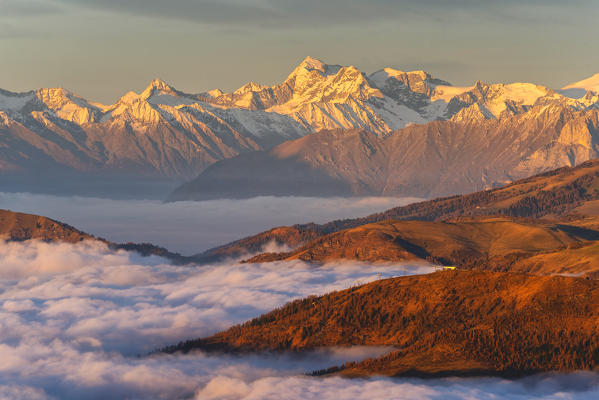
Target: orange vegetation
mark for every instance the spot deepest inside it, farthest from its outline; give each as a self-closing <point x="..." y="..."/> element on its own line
<point x="565" y="193"/>
<point x="445" y="323"/>
<point x="19" y="226"/>
<point x="482" y="243"/>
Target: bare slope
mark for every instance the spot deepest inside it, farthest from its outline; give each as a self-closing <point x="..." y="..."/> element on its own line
<point x="429" y="160"/>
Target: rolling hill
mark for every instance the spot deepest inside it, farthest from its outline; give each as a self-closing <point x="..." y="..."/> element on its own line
<point x="442" y="324"/>
<point x="15" y="226"/>
<point x="568" y="194"/>
<point x="475" y="243"/>
<point x="18" y="227"/>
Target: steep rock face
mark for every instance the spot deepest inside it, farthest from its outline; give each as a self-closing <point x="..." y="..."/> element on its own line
<point x="321" y="96"/>
<point x="436" y="159"/>
<point x="161" y="132"/>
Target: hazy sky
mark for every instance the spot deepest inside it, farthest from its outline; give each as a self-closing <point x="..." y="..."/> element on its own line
<point x="103" y="48"/>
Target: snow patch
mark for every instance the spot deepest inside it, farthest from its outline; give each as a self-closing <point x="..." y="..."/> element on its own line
<point x="591" y="84"/>
<point x="168" y="99"/>
<point x="446" y="93"/>
<point x="14" y="101"/>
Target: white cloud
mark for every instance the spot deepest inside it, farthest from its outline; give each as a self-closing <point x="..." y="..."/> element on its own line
<point x="73" y="319"/>
<point x="14" y="392"/>
<point x="296" y="387"/>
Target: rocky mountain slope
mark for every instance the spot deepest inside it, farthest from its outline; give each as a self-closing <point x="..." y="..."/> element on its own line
<point x="321" y="96"/>
<point x="439" y="158"/>
<point x="53" y="137"/>
<point x="570" y="193"/>
<point x="442" y="324"/>
<point x="160" y="133"/>
<point x="166" y="133"/>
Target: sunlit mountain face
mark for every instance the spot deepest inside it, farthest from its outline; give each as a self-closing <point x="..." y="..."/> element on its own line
<point x="413" y="127"/>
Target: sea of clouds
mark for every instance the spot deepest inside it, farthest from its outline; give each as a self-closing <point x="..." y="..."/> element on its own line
<point x="190" y="227"/>
<point x="78" y="321"/>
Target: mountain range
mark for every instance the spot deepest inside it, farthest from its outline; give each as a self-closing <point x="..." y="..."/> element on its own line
<point x="163" y="136"/>
<point x="482" y="137"/>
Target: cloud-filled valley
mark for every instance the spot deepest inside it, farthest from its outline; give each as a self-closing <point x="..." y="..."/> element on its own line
<point x="77" y="321"/>
<point x="74" y="318"/>
<point x="191" y="227"/>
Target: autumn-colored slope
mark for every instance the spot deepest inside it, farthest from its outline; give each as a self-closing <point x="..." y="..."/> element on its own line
<point x="18" y="226"/>
<point x="445" y="323"/>
<point x="575" y="259"/>
<point x="482" y="243"/>
<point x="290" y="236"/>
<point x="15" y="226"/>
<point x="555" y="194"/>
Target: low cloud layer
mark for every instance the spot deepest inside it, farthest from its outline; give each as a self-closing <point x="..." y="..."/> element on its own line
<point x="76" y="321"/>
<point x="191" y="227"/>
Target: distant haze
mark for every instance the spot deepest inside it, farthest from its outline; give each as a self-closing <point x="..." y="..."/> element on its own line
<point x="191" y="227"/>
<point x="101" y="48"/>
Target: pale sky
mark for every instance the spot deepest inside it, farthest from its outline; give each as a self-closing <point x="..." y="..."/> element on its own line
<point x="101" y="49"/>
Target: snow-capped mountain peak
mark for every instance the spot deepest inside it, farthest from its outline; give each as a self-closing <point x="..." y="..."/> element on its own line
<point x="579" y="89"/>
<point x="313" y="65"/>
<point x="67" y="105"/>
<point x="248" y="87"/>
<point x="174" y="133"/>
<point x="158" y="86"/>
